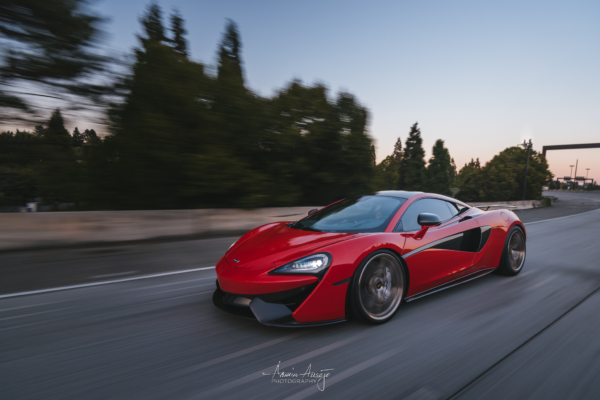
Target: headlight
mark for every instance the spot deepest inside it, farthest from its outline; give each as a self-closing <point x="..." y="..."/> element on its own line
<point x="308" y="265"/>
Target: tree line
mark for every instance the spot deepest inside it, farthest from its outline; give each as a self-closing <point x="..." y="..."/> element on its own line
<point x="183" y="136"/>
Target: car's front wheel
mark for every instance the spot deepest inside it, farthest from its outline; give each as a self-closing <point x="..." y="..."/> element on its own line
<point x="377" y="287"/>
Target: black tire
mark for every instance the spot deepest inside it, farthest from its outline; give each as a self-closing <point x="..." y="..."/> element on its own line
<point x="377" y="288"/>
<point x="513" y="253"/>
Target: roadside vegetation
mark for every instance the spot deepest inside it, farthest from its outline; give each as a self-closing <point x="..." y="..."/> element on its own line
<point x="183" y="134"/>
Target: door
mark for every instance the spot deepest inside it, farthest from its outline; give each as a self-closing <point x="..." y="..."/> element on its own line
<point x="444" y="253"/>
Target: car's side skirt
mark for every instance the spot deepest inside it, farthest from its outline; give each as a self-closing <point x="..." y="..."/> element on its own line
<point x="450" y="284"/>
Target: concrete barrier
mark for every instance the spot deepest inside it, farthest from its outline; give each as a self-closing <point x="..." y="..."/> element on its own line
<point x="57" y="229"/>
<point x="520" y="205"/>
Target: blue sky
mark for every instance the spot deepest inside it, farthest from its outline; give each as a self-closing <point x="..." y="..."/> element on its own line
<point x="480" y="75"/>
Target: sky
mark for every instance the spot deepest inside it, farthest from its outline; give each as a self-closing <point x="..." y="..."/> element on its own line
<point x="482" y="76"/>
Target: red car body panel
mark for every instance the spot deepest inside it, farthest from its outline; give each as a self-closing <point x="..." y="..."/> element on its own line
<point x="430" y="261"/>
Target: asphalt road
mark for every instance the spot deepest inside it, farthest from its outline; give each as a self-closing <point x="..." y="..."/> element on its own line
<point x="536" y="335"/>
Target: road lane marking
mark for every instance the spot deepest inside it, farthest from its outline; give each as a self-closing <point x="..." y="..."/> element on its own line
<point x="175" y="290"/>
<point x="187" y="295"/>
<point x="173" y="283"/>
<point x="292" y="361"/>
<point x="33" y="305"/>
<point x="239" y="353"/>
<point x="35" y="313"/>
<point x="22" y="326"/>
<point x="566" y="216"/>
<point x="112" y="275"/>
<point x="5" y="296"/>
<point x="136" y="278"/>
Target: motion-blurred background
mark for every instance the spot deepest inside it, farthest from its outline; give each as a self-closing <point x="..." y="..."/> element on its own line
<point x="115" y="105"/>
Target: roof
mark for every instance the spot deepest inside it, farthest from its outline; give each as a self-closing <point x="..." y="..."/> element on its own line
<point x="398" y="193"/>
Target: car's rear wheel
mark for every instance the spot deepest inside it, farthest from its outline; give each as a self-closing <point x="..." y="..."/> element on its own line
<point x="377" y="287"/>
<point x="513" y="254"/>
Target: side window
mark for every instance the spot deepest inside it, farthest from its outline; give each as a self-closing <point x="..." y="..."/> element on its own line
<point x="433" y="206"/>
<point x="453" y="208"/>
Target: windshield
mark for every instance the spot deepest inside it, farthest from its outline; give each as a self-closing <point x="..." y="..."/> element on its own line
<point x="353" y="215"/>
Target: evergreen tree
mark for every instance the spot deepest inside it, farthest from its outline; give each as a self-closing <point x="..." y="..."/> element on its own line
<point x="77" y="139"/>
<point x="355" y="163"/>
<point x="398" y="153"/>
<point x="49" y="43"/>
<point x="158" y="127"/>
<point x="90" y="137"/>
<point x="470" y="181"/>
<point x="179" y="41"/>
<point x="386" y="174"/>
<point x="153" y="25"/>
<point x="58" y="173"/>
<point x="18" y="153"/>
<point x="412" y="168"/>
<point x="439" y="170"/>
<point x="230" y="61"/>
<point x="453" y="169"/>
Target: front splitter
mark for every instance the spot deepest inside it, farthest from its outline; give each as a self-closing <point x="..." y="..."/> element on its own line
<point x="271" y="314"/>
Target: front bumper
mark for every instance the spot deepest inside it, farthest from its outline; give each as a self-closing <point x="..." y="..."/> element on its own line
<point x="273" y="309"/>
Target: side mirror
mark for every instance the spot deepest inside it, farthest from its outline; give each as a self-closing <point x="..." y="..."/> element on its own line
<point x="314" y="210"/>
<point x="426" y="219"/>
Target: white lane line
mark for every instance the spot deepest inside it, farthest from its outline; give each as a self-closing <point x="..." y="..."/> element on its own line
<point x="21" y="326"/>
<point x="173" y="283"/>
<point x="239" y="353"/>
<point x="5" y="296"/>
<point x="187" y="295"/>
<point x="35" y="313"/>
<point x="112" y="275"/>
<point x="259" y="374"/>
<point x="33" y="305"/>
<point x="136" y="278"/>
<point x="178" y="289"/>
<point x="568" y="216"/>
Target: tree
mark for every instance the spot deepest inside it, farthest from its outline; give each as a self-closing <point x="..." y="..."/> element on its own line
<point x="412" y="168"/>
<point x="230" y="61"/>
<point x="179" y="41"/>
<point x="19" y="152"/>
<point x="153" y="26"/>
<point x="49" y="43"/>
<point x="159" y="126"/>
<point x="386" y="174"/>
<point x="57" y="172"/>
<point x="398" y="153"/>
<point x="439" y="170"/>
<point x="77" y="138"/>
<point x="470" y="180"/>
<point x="501" y="179"/>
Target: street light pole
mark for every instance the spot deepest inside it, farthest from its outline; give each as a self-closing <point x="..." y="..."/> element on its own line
<point x="587" y="171"/>
<point x="528" y="146"/>
<point x="571" y="176"/>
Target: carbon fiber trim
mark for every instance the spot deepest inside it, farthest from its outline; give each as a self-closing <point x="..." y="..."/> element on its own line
<point x="433" y="244"/>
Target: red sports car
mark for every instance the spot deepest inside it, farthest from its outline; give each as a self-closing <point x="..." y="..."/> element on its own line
<point x="363" y="256"/>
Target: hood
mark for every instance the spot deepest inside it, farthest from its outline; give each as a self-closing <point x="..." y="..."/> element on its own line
<point x="279" y="242"/>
